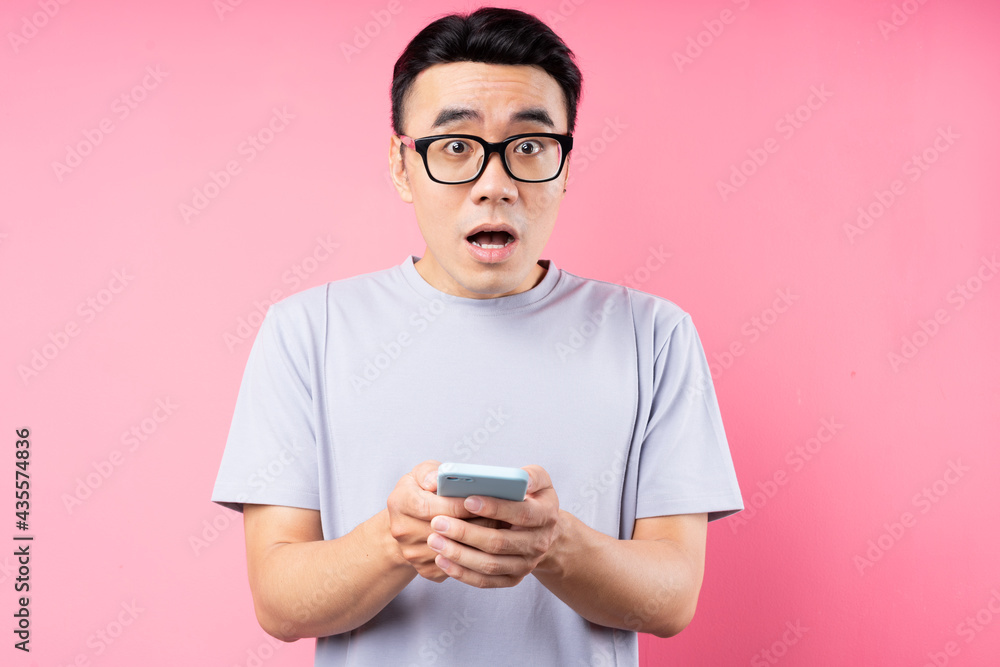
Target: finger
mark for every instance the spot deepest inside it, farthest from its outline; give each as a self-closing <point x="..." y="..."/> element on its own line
<point x="489" y="523"/>
<point x="415" y="502"/>
<point x="527" y="513"/>
<point x="477" y="579"/>
<point x="487" y="539"/>
<point x="413" y="547"/>
<point x="432" y="572"/>
<point x="474" y="567"/>
<point x="538" y="478"/>
<point x="426" y="475"/>
<point x="533" y="512"/>
<point x="454" y="507"/>
<point x="425" y="506"/>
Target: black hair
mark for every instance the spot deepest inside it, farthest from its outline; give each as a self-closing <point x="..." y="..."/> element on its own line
<point x="492" y="35"/>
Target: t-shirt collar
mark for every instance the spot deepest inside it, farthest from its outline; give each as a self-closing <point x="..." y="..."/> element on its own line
<point x="500" y="303"/>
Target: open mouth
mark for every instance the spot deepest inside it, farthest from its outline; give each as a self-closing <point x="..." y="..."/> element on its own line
<point x="490" y="240"/>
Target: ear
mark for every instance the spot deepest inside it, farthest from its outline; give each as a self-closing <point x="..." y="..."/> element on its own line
<point x="397" y="170"/>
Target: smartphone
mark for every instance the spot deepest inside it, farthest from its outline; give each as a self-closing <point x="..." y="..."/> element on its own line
<point x="460" y="480"/>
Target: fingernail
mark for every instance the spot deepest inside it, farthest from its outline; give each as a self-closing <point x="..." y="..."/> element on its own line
<point x="436" y="542"/>
<point x="442" y="562"/>
<point x="439" y="523"/>
<point x="473" y="504"/>
<point x="429" y="479"/>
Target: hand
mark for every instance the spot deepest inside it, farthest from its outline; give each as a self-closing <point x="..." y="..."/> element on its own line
<point x="500" y="554"/>
<point x="411" y="506"/>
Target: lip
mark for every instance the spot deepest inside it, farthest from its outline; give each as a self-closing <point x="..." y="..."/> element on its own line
<point x="493" y="227"/>
<point x="492" y="255"/>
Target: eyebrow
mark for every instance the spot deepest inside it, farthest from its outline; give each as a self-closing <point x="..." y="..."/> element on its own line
<point x="452" y="115"/>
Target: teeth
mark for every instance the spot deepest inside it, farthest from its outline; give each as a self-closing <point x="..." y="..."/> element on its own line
<point x="492" y="246"/>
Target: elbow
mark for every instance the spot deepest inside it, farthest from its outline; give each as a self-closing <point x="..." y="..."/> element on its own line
<point x="669" y="628"/>
<point x="671" y="625"/>
<point x="283" y="630"/>
<point x="274" y="619"/>
<point x="674" y="617"/>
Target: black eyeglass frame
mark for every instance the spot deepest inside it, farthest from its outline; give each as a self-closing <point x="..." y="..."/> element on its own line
<point x="423" y="143"/>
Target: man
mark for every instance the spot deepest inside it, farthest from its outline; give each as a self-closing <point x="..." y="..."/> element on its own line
<point x="478" y="351"/>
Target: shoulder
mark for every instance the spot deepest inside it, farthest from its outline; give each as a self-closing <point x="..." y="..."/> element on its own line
<point x="309" y="307"/>
<point x="650" y="314"/>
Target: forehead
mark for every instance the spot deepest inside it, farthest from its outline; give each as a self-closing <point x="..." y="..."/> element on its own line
<point x="479" y="94"/>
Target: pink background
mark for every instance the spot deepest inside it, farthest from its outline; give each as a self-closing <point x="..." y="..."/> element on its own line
<point x="880" y="548"/>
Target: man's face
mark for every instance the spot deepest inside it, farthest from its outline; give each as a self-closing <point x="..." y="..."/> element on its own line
<point x="489" y="98"/>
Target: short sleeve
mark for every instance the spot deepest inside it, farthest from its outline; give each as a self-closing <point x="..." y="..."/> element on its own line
<point x="270" y="455"/>
<point x="685" y="466"/>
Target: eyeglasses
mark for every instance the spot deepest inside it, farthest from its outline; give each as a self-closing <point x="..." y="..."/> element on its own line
<point x="461" y="158"/>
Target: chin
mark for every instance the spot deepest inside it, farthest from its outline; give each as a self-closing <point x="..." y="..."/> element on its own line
<point x="493" y="280"/>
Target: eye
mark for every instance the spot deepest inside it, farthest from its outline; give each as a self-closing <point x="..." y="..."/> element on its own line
<point x="528" y="147"/>
<point x="456" y="147"/>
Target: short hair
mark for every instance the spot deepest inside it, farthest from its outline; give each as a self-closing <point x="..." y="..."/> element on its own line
<point x="491" y="35"/>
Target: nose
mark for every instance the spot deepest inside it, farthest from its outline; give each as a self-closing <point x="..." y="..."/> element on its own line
<point x="494" y="183"/>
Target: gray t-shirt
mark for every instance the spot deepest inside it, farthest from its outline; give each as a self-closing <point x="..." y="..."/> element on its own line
<point x="351" y="384"/>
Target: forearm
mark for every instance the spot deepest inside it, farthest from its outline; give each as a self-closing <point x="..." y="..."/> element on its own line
<point x="325" y="587"/>
<point x="642" y="585"/>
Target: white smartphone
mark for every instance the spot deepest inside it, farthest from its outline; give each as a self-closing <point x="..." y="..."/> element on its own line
<point x="460" y="480"/>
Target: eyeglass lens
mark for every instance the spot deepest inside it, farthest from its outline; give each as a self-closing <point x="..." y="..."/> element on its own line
<point x="530" y="158"/>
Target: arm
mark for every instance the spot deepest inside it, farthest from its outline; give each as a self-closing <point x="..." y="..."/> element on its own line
<point x="305" y="586"/>
<point x="647" y="584"/>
